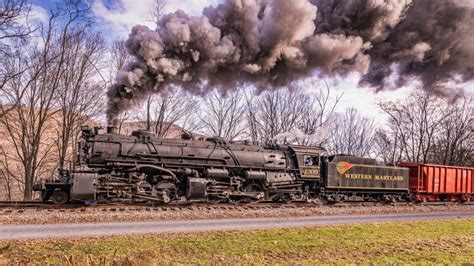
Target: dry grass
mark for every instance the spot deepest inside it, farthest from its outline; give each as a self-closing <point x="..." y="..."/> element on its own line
<point x="444" y="242"/>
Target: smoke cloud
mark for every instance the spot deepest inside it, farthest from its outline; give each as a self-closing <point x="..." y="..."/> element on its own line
<point x="272" y="43"/>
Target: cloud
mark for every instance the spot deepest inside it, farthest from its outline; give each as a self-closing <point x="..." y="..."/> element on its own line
<point x="119" y="17"/>
<point x="192" y="7"/>
<point x="38" y="14"/>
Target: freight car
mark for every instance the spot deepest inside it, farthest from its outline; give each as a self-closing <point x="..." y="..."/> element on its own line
<point x="142" y="167"/>
<point x="430" y="182"/>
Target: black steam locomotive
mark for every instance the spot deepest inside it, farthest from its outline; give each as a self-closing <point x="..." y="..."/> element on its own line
<point x="142" y="167"/>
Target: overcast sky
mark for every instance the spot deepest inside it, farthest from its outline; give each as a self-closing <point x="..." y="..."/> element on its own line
<point x="115" y="18"/>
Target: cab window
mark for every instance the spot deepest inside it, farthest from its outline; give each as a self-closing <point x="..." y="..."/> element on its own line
<point x="311" y="160"/>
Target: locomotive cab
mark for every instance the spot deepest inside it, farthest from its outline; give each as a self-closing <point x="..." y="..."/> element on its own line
<point x="308" y="160"/>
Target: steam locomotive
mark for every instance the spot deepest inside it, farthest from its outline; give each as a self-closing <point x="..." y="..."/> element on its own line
<point x="141" y="167"/>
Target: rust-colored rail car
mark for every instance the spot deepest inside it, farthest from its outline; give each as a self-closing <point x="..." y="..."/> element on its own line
<point x="430" y="182"/>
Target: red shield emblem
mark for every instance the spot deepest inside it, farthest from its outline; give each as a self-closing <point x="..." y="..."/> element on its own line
<point x="342" y="167"/>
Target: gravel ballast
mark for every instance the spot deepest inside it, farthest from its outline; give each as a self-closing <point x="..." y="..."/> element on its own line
<point x="133" y="213"/>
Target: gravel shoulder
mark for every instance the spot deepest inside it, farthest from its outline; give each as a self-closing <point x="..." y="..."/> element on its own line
<point x="131" y="214"/>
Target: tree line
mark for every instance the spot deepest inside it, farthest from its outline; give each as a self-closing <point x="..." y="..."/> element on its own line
<point x="54" y="74"/>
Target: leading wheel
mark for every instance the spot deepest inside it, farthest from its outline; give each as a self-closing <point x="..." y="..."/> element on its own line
<point x="60" y="197"/>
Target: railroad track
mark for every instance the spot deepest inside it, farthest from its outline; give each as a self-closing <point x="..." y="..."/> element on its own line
<point x="21" y="205"/>
<point x="165" y="206"/>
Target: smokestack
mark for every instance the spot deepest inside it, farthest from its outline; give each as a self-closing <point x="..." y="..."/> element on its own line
<point x="111" y="130"/>
<point x="275" y="43"/>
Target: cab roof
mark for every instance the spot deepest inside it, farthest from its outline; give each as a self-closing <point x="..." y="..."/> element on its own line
<point x="307" y="149"/>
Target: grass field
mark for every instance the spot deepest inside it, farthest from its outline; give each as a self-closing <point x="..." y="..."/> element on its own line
<point x="415" y="242"/>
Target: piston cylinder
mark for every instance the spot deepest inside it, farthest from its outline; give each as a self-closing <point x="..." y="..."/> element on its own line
<point x="255" y="175"/>
<point x="216" y="173"/>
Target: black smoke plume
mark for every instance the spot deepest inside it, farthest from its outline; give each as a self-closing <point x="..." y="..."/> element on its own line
<point x="271" y="43"/>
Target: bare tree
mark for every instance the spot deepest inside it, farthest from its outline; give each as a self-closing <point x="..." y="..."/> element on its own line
<point x="156" y="14"/>
<point x="158" y="10"/>
<point x="291" y="115"/>
<point x="253" y="130"/>
<point x="417" y="122"/>
<point x="318" y="118"/>
<point x="279" y="111"/>
<point x="124" y="118"/>
<point x="79" y="96"/>
<point x="14" y="25"/>
<point x="14" y="32"/>
<point x="7" y="176"/>
<point x="27" y="122"/>
<point x="14" y="69"/>
<point x="170" y="108"/>
<point x="454" y="144"/>
<point x="119" y="57"/>
<point x="387" y="146"/>
<point x="223" y="115"/>
<point x="351" y="134"/>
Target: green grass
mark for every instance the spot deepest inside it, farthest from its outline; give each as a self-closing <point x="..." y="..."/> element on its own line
<point x="444" y="242"/>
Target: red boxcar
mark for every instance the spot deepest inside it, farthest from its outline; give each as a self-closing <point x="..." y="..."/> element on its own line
<point x="430" y="182"/>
